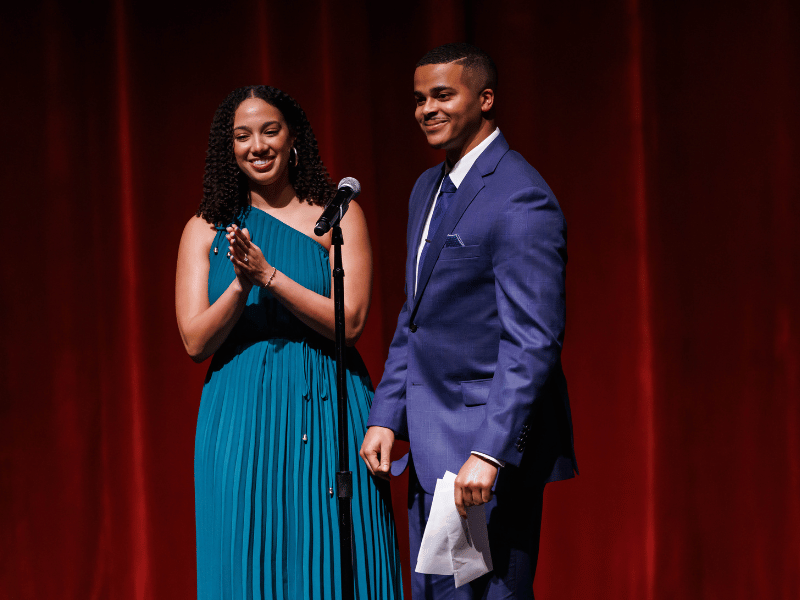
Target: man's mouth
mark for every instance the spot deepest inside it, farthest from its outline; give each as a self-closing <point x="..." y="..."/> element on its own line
<point x="434" y="124"/>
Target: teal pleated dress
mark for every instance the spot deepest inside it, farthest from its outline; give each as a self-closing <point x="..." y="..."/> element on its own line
<point x="266" y="451"/>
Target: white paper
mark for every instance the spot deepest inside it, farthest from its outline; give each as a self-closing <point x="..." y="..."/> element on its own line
<point x="452" y="545"/>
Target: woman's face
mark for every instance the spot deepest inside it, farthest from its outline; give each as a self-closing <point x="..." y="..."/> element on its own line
<point x="261" y="141"/>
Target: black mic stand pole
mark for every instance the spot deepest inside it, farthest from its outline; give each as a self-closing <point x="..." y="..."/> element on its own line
<point x="344" y="478"/>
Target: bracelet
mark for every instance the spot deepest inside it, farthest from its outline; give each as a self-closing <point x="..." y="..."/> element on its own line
<point x="274" y="270"/>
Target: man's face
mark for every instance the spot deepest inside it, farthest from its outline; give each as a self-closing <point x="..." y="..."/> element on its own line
<point x="448" y="108"/>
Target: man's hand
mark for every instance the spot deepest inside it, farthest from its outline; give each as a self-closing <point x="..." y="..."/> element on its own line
<point x="376" y="449"/>
<point x="473" y="485"/>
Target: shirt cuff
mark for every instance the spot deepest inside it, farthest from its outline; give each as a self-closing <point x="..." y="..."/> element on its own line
<point x="496" y="461"/>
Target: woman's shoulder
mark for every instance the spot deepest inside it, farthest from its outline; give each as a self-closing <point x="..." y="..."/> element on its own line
<point x="355" y="218"/>
<point x="199" y="226"/>
<point x="198" y="233"/>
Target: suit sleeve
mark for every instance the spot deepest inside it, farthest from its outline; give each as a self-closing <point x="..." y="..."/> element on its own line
<point x="389" y="405"/>
<point x="528" y="245"/>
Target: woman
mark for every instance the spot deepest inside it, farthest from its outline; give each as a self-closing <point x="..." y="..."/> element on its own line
<point x="253" y="288"/>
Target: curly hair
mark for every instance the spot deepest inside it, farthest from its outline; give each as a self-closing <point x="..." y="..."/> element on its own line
<point x="226" y="188"/>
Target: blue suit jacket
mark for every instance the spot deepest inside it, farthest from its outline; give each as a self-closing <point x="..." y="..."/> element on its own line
<point x="475" y="363"/>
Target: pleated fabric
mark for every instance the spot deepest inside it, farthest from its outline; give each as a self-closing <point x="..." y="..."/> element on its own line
<point x="266" y="452"/>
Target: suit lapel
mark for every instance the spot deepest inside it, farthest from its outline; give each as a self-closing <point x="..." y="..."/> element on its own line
<point x="467" y="191"/>
<point x="422" y="203"/>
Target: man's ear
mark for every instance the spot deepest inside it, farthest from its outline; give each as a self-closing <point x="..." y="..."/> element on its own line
<point x="487" y="100"/>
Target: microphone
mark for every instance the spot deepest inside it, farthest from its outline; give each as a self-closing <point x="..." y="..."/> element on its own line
<point x="349" y="188"/>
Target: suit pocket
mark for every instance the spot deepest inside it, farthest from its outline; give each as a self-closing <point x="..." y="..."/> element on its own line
<point x="456" y="252"/>
<point x="475" y="392"/>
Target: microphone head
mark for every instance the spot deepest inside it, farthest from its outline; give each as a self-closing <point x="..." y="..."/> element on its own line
<point x="352" y="183"/>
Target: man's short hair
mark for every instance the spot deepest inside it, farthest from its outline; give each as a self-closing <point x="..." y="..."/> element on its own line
<point x="477" y="64"/>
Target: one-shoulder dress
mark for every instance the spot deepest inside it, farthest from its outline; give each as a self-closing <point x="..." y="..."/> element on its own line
<point x="266" y="451"/>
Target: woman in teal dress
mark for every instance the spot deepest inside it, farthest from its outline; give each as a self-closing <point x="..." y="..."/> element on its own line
<point x="253" y="289"/>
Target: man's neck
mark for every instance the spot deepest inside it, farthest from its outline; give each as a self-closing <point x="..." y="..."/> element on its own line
<point x="484" y="131"/>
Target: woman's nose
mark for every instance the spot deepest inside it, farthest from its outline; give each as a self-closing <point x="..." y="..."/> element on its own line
<point x="258" y="145"/>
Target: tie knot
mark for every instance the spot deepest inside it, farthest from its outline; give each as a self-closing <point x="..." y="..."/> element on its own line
<point x="447" y="186"/>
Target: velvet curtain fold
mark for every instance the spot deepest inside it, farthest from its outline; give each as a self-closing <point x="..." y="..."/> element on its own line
<point x="669" y="133"/>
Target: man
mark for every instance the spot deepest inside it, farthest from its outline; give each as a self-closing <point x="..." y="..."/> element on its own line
<point x="473" y="379"/>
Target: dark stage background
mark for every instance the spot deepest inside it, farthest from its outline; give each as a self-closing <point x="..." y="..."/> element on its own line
<point x="669" y="132"/>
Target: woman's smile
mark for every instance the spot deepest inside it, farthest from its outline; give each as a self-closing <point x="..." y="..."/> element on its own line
<point x="263" y="164"/>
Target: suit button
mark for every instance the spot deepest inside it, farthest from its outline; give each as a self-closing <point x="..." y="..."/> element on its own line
<point x="413" y="327"/>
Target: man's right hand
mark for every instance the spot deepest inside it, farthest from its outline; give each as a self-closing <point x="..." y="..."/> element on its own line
<point x="376" y="450"/>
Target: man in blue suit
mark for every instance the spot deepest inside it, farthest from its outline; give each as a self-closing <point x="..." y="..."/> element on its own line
<point x="473" y="379"/>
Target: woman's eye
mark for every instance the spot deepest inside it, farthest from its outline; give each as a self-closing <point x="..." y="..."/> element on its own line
<point x="240" y="138"/>
<point x="272" y="132"/>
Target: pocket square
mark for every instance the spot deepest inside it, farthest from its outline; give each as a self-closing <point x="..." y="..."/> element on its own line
<point x="453" y="241"/>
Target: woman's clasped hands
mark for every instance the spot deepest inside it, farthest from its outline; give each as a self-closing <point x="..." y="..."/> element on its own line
<point x="247" y="258"/>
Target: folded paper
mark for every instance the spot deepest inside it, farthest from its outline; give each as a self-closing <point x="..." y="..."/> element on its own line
<point x="452" y="545"/>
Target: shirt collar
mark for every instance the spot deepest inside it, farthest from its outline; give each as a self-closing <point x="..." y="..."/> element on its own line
<point x="462" y="167"/>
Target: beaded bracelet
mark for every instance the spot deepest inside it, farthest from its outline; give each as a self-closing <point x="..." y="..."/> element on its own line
<point x="274" y="270"/>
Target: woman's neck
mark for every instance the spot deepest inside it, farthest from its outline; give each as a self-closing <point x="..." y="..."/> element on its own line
<point x="277" y="195"/>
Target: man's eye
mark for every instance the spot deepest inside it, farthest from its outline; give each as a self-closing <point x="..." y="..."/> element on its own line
<point x="443" y="96"/>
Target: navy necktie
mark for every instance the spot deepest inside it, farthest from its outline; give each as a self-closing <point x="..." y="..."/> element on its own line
<point x="446" y="193"/>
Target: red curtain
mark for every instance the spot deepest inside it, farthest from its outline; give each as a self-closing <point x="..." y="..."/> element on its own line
<point x="669" y="132"/>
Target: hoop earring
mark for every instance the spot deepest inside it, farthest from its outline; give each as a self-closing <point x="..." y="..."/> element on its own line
<point x="294" y="159"/>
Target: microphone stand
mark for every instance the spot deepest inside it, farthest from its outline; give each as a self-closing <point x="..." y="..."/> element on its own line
<point x="344" y="478"/>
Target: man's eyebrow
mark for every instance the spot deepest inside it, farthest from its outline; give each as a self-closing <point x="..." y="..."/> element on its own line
<point x="435" y="90"/>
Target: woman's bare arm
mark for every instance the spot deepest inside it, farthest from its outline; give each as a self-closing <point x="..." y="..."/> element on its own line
<point x="204" y="326"/>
